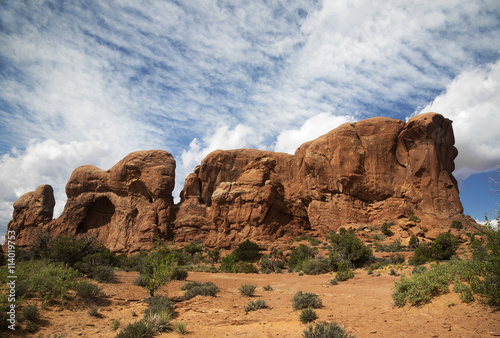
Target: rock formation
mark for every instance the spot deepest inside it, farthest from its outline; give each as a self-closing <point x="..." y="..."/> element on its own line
<point x="125" y="207"/>
<point x="32" y="211"/>
<point x="357" y="175"/>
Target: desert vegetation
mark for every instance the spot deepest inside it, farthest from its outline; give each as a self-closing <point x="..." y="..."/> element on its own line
<point x="68" y="271"/>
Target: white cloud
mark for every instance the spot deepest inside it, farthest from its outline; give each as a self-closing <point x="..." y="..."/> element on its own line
<point x="289" y="140"/>
<point x="222" y="138"/>
<point x="472" y="102"/>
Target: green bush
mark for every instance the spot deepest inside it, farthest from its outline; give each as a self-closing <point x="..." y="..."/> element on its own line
<point x="93" y="311"/>
<point x="159" y="267"/>
<point x="300" y="254"/>
<point x="304" y="300"/>
<point x="179" y="274"/>
<point x="413" y="241"/>
<point x="137" y="329"/>
<point x="245" y="267"/>
<point x="486" y="265"/>
<point x="444" y="247"/>
<point x="316" y="266"/>
<point x="464" y="292"/>
<point x="425" y="285"/>
<point x="31" y="313"/>
<point x="48" y="280"/>
<point x="247" y="290"/>
<point x="419" y="269"/>
<point x="414" y="218"/>
<point x="159" y="304"/>
<point x="255" y="305"/>
<point x="140" y="281"/>
<point x="267" y="288"/>
<point x="181" y="327"/>
<point x="421" y="255"/>
<point x="308" y="315"/>
<point x="386" y="228"/>
<point x="103" y="274"/>
<point x="326" y="330"/>
<point x="228" y="263"/>
<point x="397" y="259"/>
<point x="457" y="225"/>
<point x="213" y="256"/>
<point x="193" y="248"/>
<point x="350" y="249"/>
<point x="247" y="252"/>
<point x="194" y="289"/>
<point x="274" y="262"/>
<point x="115" y="324"/>
<point x="88" y="292"/>
<point x="344" y="273"/>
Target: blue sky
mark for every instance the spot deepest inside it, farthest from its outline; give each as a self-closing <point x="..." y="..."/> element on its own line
<point x="86" y="82"/>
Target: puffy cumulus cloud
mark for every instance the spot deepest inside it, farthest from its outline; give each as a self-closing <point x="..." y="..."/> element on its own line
<point x="472" y="102"/>
<point x="289" y="140"/>
<point x="47" y="162"/>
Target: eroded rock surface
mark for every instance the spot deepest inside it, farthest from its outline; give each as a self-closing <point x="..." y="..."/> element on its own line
<point x="359" y="174"/>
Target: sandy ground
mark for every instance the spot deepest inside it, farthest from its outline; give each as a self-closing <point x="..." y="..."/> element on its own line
<point x="363" y="305"/>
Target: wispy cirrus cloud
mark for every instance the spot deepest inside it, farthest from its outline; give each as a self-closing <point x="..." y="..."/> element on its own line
<point x="188" y="77"/>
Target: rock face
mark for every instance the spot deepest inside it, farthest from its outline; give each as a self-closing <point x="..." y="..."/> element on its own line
<point x="357" y="175"/>
<point x="125" y="207"/>
<point x="32" y="211"/>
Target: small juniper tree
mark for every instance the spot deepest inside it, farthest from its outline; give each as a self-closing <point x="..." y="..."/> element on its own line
<point x="158" y="269"/>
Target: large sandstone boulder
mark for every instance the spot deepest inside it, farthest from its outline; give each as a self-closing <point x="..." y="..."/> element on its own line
<point x="357" y="175"/>
<point x="32" y="211"/>
<point x="125" y="207"/>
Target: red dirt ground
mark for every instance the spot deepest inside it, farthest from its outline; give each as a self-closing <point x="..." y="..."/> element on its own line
<point x="363" y="305"/>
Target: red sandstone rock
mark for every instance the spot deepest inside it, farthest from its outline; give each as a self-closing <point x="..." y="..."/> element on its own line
<point x="125" y="207"/>
<point x="32" y="211"/>
<point x="357" y="175"/>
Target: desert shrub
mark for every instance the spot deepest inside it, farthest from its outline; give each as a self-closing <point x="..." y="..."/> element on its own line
<point x="245" y="267"/>
<point x="308" y="315"/>
<point x="104" y="257"/>
<point x="140" y="281"/>
<point x="333" y="282"/>
<point x="137" y="329"/>
<point x="228" y="263"/>
<point x="267" y="288"/>
<point x="93" y="311"/>
<point x="48" y="280"/>
<point x="316" y="266"/>
<point x="179" y="274"/>
<point x="300" y="254"/>
<point x="486" y="265"/>
<point x="159" y="304"/>
<point x="115" y="324"/>
<point x="247" y="290"/>
<point x="303" y="300"/>
<point x="70" y="250"/>
<point x="464" y="292"/>
<point x="423" y="286"/>
<point x="393" y="272"/>
<point x="103" y="274"/>
<point x="30" y="312"/>
<point x="344" y="273"/>
<point x="194" y="289"/>
<point x="397" y="259"/>
<point x="419" y="269"/>
<point x="88" y="292"/>
<point x="444" y="246"/>
<point x="158" y="269"/>
<point x="326" y="330"/>
<point x="134" y="262"/>
<point x="386" y="228"/>
<point x="391" y="247"/>
<point x="255" y="305"/>
<point x="213" y="256"/>
<point x="413" y="241"/>
<point x="350" y="249"/>
<point x="247" y="252"/>
<point x="274" y="262"/>
<point x="421" y="255"/>
<point x="181" y="327"/>
<point x="457" y="225"/>
<point x="193" y="248"/>
<point x="413" y="218"/>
